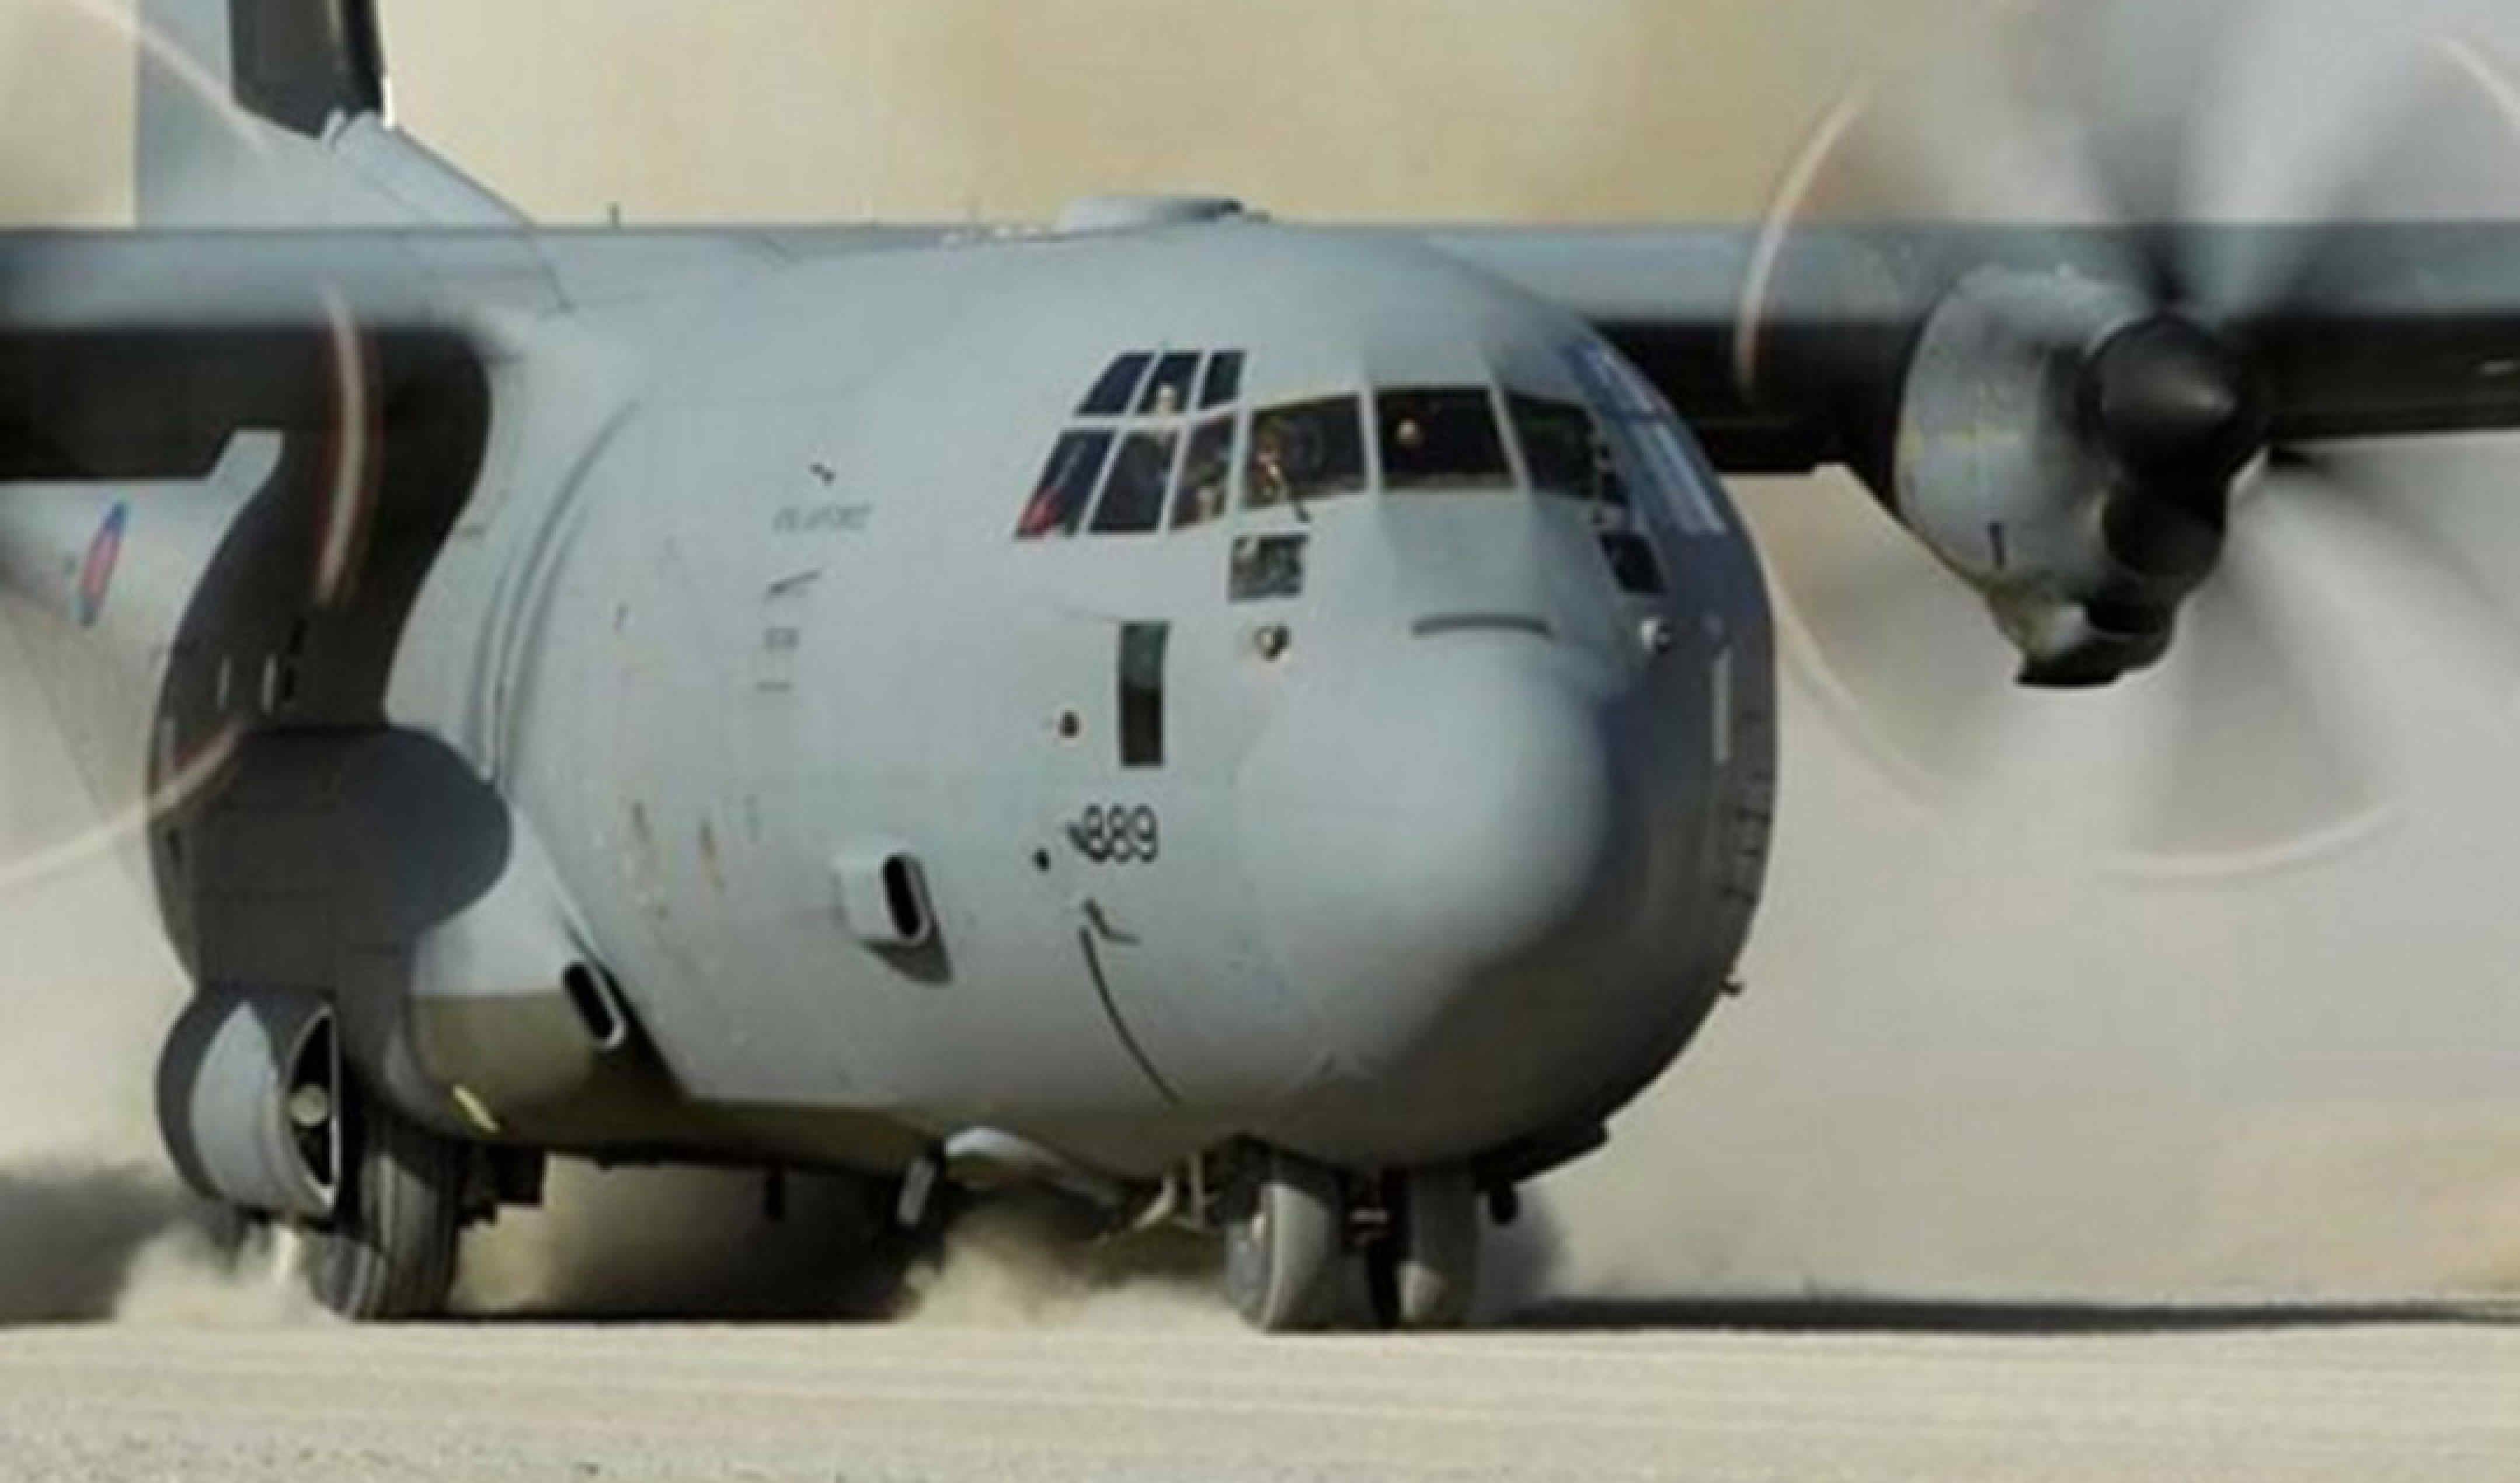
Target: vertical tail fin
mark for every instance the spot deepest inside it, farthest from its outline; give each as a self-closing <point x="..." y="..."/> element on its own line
<point x="272" y="112"/>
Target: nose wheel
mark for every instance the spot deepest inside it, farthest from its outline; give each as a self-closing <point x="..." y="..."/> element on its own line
<point x="1286" y="1246"/>
<point x="1302" y="1256"/>
<point x="1424" y="1272"/>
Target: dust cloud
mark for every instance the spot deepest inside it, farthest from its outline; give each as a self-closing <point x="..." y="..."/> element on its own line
<point x="681" y="1242"/>
<point x="93" y="1222"/>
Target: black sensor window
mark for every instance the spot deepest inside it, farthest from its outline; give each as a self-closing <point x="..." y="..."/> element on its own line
<point x="1634" y="562"/>
<point x="1267" y="567"/>
<point x="1141" y="692"/>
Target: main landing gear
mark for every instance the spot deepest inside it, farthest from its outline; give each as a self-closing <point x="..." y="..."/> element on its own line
<point x="1310" y="1250"/>
<point x="387" y="1253"/>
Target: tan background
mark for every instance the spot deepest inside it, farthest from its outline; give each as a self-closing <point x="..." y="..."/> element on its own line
<point x="1969" y="1058"/>
<point x="811" y="109"/>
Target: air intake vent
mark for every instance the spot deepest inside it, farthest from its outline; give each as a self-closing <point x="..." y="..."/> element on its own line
<point x="883" y="896"/>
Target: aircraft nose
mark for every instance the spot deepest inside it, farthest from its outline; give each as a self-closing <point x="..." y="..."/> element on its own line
<point x="1438" y="846"/>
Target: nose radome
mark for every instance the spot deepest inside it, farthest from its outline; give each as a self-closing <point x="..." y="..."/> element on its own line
<point x="1418" y="831"/>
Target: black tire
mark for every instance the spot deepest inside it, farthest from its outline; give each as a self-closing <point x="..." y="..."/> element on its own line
<point x="388" y="1254"/>
<point x="1434" y="1258"/>
<point x="1286" y="1267"/>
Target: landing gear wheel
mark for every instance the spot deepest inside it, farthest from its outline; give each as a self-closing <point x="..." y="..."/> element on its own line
<point x="1429" y="1264"/>
<point x="1287" y="1268"/>
<point x="388" y="1254"/>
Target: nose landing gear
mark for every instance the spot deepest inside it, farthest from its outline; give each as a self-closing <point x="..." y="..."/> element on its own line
<point x="1425" y="1270"/>
<point x="1309" y="1250"/>
<point x="1286" y="1246"/>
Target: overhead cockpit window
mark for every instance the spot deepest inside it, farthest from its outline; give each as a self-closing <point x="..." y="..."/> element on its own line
<point x="1442" y="438"/>
<point x="1133" y="503"/>
<point x="1113" y="395"/>
<point x="1304" y="452"/>
<point x="1058" y="503"/>
<point x="1207" y="474"/>
<point x="1168" y="394"/>
<point x="1224" y="381"/>
<point x="1136" y="444"/>
<point x="1564" y="450"/>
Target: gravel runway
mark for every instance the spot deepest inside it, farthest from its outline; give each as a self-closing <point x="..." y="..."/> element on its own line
<point x="1791" y="1390"/>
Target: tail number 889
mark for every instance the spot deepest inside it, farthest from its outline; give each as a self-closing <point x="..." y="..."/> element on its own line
<point x="1118" y="834"/>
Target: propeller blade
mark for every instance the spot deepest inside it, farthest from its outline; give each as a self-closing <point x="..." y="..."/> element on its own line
<point x="2414" y="118"/>
<point x="1899" y="653"/>
<point x="2445" y="511"/>
<point x="2238" y="754"/>
<point x="2259" y="757"/>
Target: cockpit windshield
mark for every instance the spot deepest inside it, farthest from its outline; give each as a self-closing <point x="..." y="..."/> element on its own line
<point x="1207" y="474"/>
<point x="1162" y="439"/>
<point x="1304" y="452"/>
<point x="1133" y="501"/>
<point x="1441" y="438"/>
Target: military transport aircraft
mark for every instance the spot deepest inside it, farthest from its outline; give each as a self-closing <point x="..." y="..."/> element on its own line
<point x="1264" y="727"/>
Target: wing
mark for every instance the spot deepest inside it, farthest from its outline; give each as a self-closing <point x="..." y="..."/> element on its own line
<point x="1790" y="354"/>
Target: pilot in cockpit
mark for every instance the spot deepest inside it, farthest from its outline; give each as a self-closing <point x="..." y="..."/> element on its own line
<point x="1270" y="482"/>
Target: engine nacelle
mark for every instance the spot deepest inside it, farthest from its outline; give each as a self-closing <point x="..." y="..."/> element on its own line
<point x="249" y="1101"/>
<point x="2002" y="472"/>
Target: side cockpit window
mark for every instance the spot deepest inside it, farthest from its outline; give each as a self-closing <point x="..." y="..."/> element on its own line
<point x="1439" y="439"/>
<point x="1305" y="451"/>
<point x="1058" y="503"/>
<point x="1565" y="451"/>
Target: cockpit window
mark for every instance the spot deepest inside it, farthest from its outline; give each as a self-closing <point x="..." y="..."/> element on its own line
<point x="1305" y="451"/>
<point x="1441" y="438"/>
<point x="1112" y="394"/>
<point x="1207" y="474"/>
<point x="1565" y="451"/>
<point x="1139" y="443"/>
<point x="1058" y="503"/>
<point x="1133" y="503"/>
<point x="1224" y="381"/>
<point x="1168" y="394"/>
